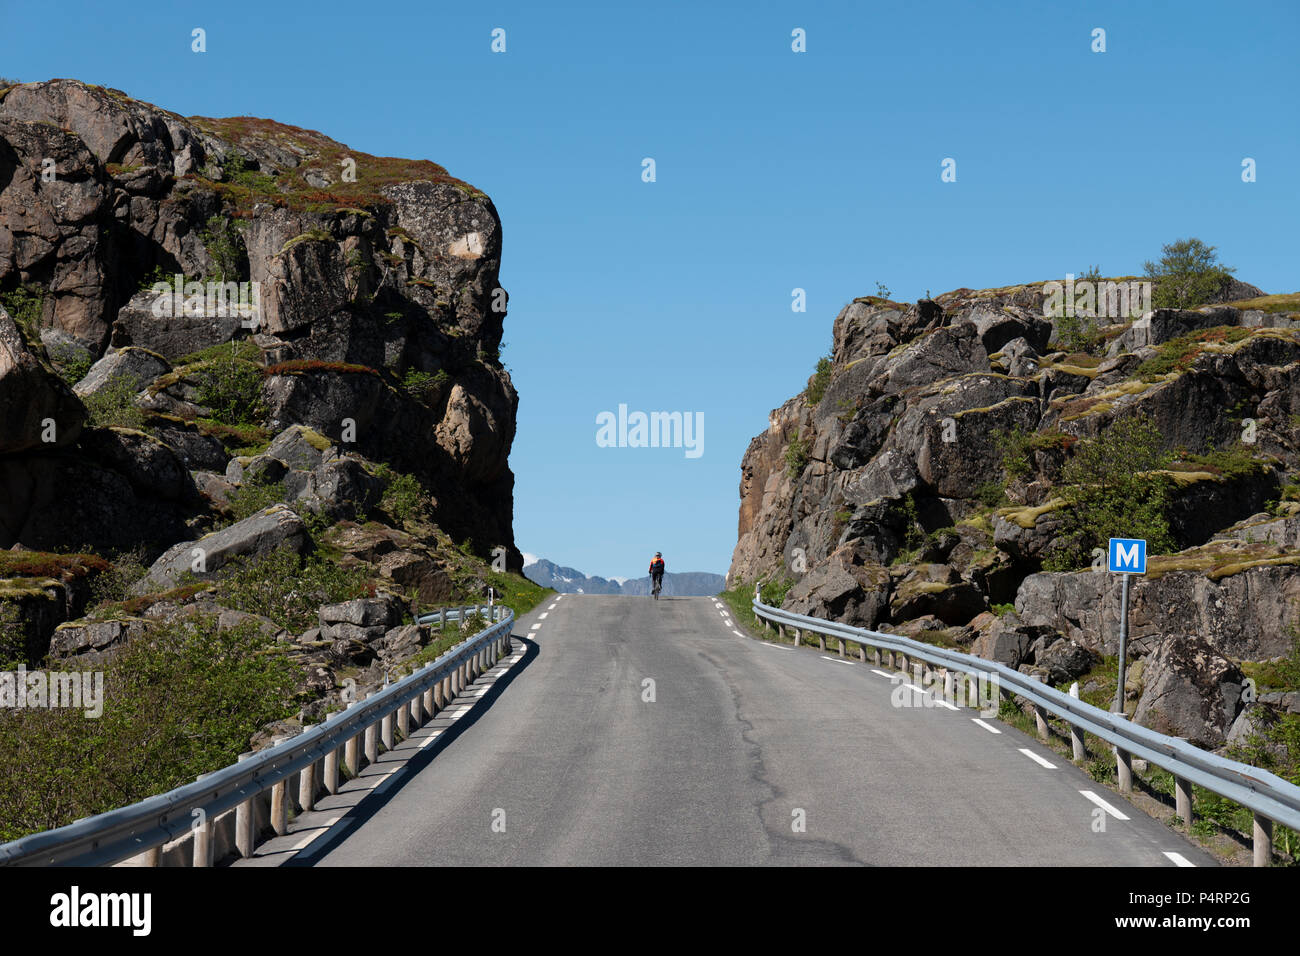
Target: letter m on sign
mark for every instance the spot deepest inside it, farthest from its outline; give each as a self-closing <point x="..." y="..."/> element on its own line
<point x="1128" y="555"/>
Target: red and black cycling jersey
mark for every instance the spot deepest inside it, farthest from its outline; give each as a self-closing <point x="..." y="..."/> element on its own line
<point x="657" y="566"/>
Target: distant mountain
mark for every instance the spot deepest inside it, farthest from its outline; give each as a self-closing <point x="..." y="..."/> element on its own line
<point x="568" y="580"/>
<point x="572" y="581"/>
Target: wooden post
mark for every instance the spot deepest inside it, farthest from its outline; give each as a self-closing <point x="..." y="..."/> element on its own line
<point x="244" y="822"/>
<point x="1263" y="841"/>
<point x="307" y="786"/>
<point x="279" y="806"/>
<point x="332" y="771"/>
<point x="1183" y="799"/>
<point x="1124" y="767"/>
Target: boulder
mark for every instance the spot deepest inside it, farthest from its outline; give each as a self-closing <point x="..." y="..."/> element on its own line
<point x="384" y="611"/>
<point x="936" y="590"/>
<point x="137" y="365"/>
<point x="37" y="408"/>
<point x="139" y="324"/>
<point x="83" y="639"/>
<point x="299" y="447"/>
<point x="842" y="591"/>
<point x="255" y="537"/>
<point x="1189" y="690"/>
<point x="149" y="465"/>
<point x="1065" y="660"/>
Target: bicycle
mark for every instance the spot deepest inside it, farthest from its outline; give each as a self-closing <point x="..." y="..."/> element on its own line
<point x="657" y="587"/>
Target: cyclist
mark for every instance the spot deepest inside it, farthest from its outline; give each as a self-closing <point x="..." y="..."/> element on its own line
<point x="657" y="574"/>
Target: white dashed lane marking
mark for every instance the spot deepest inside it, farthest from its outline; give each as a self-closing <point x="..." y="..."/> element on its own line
<point x="989" y="727"/>
<point x="1037" y="759"/>
<point x="542" y="616"/>
<point x="1104" y="805"/>
<point x="836" y="660"/>
<point x="534" y="627"/>
<point x="1179" y="859"/>
<point x="737" y="633"/>
<point x="882" y="674"/>
<point x="777" y="646"/>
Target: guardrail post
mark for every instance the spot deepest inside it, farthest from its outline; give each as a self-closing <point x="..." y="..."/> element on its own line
<point x="821" y="641"/>
<point x="1124" y="768"/>
<point x="279" y="809"/>
<point x="862" y="653"/>
<point x="404" y="718"/>
<point x="1076" y="735"/>
<point x="307" y="786"/>
<point x="875" y="656"/>
<point x="841" y="647"/>
<point x="1040" y="720"/>
<point x="202" y="843"/>
<point x="372" y="739"/>
<point x="386" y="731"/>
<point x="350" y="750"/>
<point x="332" y="771"/>
<point x="1263" y="840"/>
<point x="1183" y="798"/>
<point x="442" y="620"/>
<point x="949" y="687"/>
<point x="244" y="821"/>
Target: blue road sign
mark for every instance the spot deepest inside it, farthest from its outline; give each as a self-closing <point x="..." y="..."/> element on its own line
<point x="1128" y="556"/>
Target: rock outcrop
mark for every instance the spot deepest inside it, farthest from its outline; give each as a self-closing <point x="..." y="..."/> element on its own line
<point x="919" y="486"/>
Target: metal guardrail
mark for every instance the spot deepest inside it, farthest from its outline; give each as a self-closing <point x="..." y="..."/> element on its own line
<point x="1267" y="796"/>
<point x="142" y="828"/>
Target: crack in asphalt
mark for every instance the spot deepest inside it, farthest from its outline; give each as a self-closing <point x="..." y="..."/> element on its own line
<point x="790" y="843"/>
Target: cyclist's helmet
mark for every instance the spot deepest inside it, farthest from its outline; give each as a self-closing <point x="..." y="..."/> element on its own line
<point x="659" y="554"/>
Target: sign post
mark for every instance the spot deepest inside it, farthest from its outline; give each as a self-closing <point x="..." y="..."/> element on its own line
<point x="1126" y="556"/>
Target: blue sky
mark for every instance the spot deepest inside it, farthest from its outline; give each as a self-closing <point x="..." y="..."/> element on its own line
<point x="774" y="171"/>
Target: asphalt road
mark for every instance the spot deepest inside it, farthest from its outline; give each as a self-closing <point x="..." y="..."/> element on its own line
<point x="744" y="753"/>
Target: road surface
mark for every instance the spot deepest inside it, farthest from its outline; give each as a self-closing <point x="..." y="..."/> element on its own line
<point x="636" y="732"/>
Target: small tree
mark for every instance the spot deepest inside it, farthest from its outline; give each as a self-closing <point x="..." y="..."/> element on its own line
<point x="1115" y="487"/>
<point x="1187" y="275"/>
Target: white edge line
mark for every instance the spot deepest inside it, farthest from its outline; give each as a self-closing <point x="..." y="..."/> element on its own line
<point x="1037" y="759"/>
<point x="1103" y="804"/>
<point x="777" y="646"/>
<point x="836" y="660"/>
<point x="1179" y="859"/>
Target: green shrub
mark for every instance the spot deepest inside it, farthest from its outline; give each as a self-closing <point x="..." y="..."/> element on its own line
<point x="114" y="404"/>
<point x="1114" y="488"/>
<point x="252" y="496"/>
<point x="772" y="592"/>
<point x="1078" y="333"/>
<point x="796" y="457"/>
<point x="289" y="589"/>
<point x="404" y="497"/>
<point x="425" y="386"/>
<point x="1002" y="610"/>
<point x="24" y="305"/>
<point x="992" y="494"/>
<point x="225" y="246"/>
<point x="232" y="388"/>
<point x="182" y="700"/>
<point x="820" y="380"/>
<point x="114" y="583"/>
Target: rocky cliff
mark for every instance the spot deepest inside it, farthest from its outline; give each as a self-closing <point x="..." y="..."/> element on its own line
<point x="141" y="412"/>
<point x="924" y="484"/>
